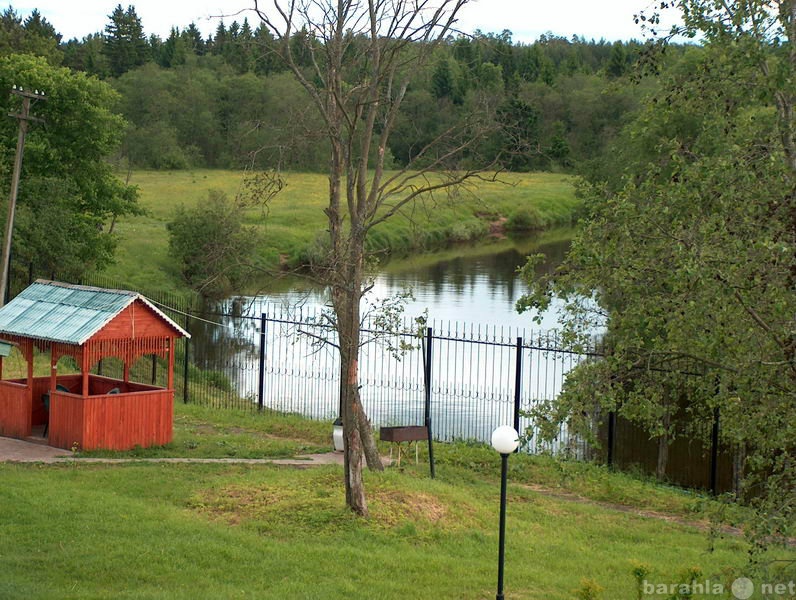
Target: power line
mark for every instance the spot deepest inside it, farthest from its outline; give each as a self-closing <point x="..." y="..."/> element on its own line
<point x="186" y="314"/>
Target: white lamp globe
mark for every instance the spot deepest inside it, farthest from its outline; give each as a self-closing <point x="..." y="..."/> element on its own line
<point x="505" y="439"/>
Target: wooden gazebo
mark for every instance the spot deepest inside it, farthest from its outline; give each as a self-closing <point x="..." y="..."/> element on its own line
<point x="85" y="409"/>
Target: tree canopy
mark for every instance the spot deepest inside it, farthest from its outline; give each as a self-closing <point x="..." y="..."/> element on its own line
<point x="69" y="196"/>
<point x="579" y="91"/>
<point x="689" y="252"/>
<point x="125" y="44"/>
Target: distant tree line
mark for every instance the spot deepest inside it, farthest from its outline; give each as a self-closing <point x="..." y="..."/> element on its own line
<point x="227" y="100"/>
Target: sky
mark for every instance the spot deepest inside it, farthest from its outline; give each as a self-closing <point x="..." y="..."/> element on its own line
<point x="526" y="19"/>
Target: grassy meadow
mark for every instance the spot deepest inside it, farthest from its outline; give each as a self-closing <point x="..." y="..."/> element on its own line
<point x="294" y="219"/>
<point x="170" y="531"/>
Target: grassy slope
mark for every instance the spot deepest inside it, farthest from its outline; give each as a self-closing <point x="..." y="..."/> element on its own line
<point x="295" y="217"/>
<point x="235" y="531"/>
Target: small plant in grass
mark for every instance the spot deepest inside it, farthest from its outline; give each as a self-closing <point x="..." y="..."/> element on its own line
<point x="688" y="580"/>
<point x="212" y="245"/>
<point x="589" y="590"/>
<point x="640" y="573"/>
<point x="218" y="380"/>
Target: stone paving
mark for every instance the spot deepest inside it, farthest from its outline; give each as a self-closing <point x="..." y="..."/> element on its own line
<point x="13" y="450"/>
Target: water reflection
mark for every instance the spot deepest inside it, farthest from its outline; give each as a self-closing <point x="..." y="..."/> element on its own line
<point x="475" y="289"/>
<point x="458" y="285"/>
<point x="464" y="286"/>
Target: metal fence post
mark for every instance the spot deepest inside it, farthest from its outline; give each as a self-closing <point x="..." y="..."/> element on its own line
<point x="714" y="454"/>
<point x="185" y="365"/>
<point x="429" y="338"/>
<point x="261" y="386"/>
<point x="518" y="387"/>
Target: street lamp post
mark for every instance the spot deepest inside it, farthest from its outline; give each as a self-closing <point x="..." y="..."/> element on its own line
<point x="505" y="440"/>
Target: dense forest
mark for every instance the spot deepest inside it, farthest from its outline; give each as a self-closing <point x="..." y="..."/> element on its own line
<point x="228" y="101"/>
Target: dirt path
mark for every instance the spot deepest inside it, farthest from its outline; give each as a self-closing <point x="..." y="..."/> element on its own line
<point x="13" y="450"/>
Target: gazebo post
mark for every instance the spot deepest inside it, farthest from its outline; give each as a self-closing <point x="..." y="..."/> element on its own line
<point x="53" y="368"/>
<point x="84" y="368"/>
<point x="130" y="357"/>
<point x="29" y="358"/>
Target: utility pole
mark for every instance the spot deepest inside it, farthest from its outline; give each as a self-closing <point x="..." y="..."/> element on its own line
<point x="24" y="117"/>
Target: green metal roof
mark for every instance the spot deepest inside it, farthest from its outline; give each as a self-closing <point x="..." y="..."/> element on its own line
<point x="60" y="312"/>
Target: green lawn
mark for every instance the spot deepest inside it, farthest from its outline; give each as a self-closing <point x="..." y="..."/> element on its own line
<point x="294" y="218"/>
<point x="261" y="531"/>
<point x="201" y="432"/>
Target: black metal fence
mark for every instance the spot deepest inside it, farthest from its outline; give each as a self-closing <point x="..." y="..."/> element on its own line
<point x="284" y="358"/>
<point x="249" y="355"/>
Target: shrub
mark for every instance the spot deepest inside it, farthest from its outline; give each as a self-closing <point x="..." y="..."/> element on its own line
<point x="212" y="246"/>
<point x="467" y="231"/>
<point x="526" y="219"/>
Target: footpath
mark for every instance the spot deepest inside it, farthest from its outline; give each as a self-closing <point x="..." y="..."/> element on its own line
<point x="20" y="451"/>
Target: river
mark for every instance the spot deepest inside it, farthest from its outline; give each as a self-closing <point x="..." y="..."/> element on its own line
<point x="469" y="295"/>
<point x="476" y="285"/>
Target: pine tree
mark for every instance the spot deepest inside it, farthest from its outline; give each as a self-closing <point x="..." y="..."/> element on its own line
<point x="125" y="44"/>
<point x="193" y="38"/>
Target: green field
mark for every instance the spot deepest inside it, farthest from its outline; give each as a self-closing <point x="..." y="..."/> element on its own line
<point x="196" y="531"/>
<point x="294" y="218"/>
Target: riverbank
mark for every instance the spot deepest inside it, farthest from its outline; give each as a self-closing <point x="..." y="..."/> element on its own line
<point x="294" y="219"/>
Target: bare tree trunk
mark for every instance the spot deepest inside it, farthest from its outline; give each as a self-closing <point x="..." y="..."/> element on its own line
<point x="350" y="403"/>
<point x="369" y="447"/>
<point x="352" y="412"/>
<point x="361" y="57"/>
<point x="360" y="443"/>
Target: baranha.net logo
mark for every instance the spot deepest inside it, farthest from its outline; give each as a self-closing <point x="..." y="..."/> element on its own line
<point x="742" y="588"/>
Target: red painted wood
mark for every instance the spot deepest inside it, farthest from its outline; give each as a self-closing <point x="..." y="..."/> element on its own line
<point x="66" y="420"/>
<point x="170" y="376"/>
<point x="135" y="322"/>
<point x="15" y="409"/>
<point x="124" y="421"/>
<point x="139" y="416"/>
<point x="39" y="414"/>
